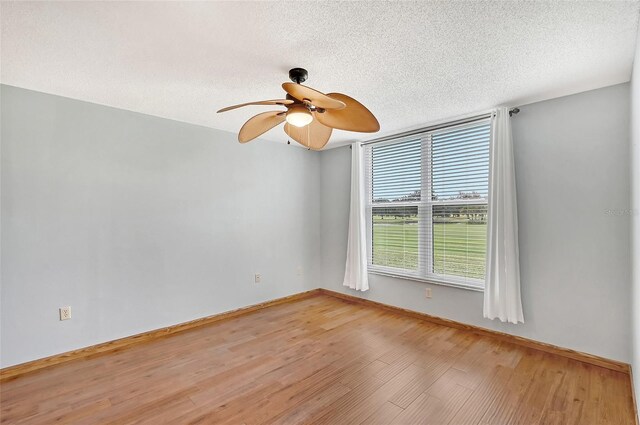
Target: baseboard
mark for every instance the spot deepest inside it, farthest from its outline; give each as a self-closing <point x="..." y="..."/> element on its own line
<point x="633" y="396"/>
<point x="525" y="342"/>
<point x="110" y="346"/>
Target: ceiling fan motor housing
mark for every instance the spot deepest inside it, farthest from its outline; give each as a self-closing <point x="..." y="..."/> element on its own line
<point x="298" y="75"/>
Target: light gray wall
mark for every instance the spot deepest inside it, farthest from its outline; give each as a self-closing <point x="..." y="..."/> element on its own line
<point x="572" y="174"/>
<point x="138" y="222"/>
<point x="635" y="217"/>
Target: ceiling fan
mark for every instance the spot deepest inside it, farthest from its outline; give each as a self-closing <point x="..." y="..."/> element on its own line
<point x="310" y="115"/>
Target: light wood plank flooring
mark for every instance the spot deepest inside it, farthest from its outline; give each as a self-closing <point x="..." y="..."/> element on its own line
<point x="325" y="361"/>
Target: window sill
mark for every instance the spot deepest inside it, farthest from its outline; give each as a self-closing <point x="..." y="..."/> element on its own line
<point x="425" y="280"/>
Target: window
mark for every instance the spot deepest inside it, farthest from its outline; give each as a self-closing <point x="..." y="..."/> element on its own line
<point x="427" y="205"/>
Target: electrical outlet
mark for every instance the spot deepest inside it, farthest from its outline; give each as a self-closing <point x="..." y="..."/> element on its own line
<point x="258" y="278"/>
<point x="300" y="271"/>
<point x="65" y="313"/>
<point x="427" y="293"/>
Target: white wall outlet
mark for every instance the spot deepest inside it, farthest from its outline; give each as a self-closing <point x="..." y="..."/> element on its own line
<point x="65" y="313"/>
<point x="300" y="271"/>
<point x="258" y="277"/>
<point x="427" y="293"/>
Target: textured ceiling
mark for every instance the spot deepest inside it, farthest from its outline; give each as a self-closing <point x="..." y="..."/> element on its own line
<point x="410" y="62"/>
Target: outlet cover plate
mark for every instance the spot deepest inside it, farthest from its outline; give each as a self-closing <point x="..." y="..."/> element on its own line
<point x="65" y="313"/>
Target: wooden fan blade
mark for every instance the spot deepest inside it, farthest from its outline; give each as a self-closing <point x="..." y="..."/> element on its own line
<point x="354" y="117"/>
<point x="259" y="102"/>
<point x="317" y="99"/>
<point x="314" y="135"/>
<point x="260" y="124"/>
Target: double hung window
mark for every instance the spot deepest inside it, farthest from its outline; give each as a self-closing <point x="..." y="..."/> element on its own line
<point x="427" y="205"/>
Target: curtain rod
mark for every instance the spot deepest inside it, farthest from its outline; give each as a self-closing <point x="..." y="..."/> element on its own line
<point x="434" y="127"/>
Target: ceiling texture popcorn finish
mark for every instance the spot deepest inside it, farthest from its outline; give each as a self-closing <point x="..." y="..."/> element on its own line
<point x="410" y="62"/>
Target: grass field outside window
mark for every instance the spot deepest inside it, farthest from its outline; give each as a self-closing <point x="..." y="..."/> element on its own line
<point x="459" y="247"/>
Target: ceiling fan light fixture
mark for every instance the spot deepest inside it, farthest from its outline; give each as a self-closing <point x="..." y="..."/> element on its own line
<point x="299" y="116"/>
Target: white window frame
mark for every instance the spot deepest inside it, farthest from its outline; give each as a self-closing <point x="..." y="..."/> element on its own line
<point x="425" y="209"/>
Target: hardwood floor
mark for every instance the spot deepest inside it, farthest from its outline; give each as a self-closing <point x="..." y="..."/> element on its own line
<point x="321" y="360"/>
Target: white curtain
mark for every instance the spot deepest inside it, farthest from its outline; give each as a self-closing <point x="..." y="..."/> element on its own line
<point x="502" y="287"/>
<point x="355" y="274"/>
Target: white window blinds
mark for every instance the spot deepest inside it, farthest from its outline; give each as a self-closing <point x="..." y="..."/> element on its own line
<point x="427" y="204"/>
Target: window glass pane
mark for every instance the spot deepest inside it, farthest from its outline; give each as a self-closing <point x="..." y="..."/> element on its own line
<point x="396" y="172"/>
<point x="395" y="237"/>
<point x="460" y="163"/>
<point x="459" y="240"/>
